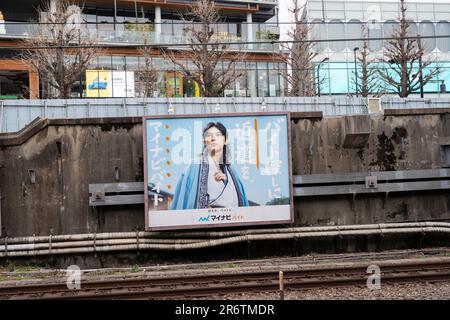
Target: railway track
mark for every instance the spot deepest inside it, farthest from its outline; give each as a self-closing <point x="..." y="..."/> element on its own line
<point x="197" y="285"/>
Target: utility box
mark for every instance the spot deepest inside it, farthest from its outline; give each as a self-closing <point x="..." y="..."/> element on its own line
<point x="371" y="182"/>
<point x="356" y="131"/>
<point x="97" y="196"/>
<point x="374" y="105"/>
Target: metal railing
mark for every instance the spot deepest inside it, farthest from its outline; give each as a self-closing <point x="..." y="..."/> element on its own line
<point x="138" y="33"/>
<point x="16" y="114"/>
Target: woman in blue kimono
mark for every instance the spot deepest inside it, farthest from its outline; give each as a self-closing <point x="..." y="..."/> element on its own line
<point x="212" y="183"/>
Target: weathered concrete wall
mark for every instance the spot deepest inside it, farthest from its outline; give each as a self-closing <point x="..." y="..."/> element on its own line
<point x="66" y="158"/>
<point x="398" y="140"/>
<point x="68" y="155"/>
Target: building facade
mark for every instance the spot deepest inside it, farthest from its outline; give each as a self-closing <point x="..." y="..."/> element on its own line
<point x="343" y="19"/>
<point x="124" y="25"/>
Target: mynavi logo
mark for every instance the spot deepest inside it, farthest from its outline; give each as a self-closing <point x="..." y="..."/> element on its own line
<point x="204" y="219"/>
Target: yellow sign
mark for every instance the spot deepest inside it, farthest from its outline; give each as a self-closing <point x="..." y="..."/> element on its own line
<point x="225" y="36"/>
<point x="98" y="83"/>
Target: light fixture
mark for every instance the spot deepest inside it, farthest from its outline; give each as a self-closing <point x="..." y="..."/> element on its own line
<point x="171" y="109"/>
<point x="217" y="107"/>
<point x="263" y="105"/>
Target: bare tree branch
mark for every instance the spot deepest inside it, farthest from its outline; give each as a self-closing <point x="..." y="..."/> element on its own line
<point x="62" y="27"/>
<point x="205" y="52"/>
<point x="404" y="60"/>
<point x="299" y="55"/>
<point x="146" y="75"/>
<point x="369" y="82"/>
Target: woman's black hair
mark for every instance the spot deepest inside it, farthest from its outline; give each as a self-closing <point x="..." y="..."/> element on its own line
<point x="219" y="126"/>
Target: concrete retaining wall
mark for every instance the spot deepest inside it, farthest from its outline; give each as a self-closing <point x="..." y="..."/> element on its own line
<point x="67" y="155"/>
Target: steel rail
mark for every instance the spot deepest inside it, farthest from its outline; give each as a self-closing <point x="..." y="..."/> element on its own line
<point x="157" y="287"/>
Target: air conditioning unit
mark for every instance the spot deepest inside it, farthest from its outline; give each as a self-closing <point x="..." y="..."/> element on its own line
<point x="374" y="105"/>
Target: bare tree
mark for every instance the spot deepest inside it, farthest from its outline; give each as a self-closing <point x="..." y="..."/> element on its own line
<point x="403" y="58"/>
<point x="368" y="81"/>
<point x="206" y="51"/>
<point x="147" y="75"/>
<point x="61" y="48"/>
<point x="299" y="54"/>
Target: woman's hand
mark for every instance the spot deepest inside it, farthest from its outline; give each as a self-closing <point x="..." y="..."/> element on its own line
<point x="220" y="176"/>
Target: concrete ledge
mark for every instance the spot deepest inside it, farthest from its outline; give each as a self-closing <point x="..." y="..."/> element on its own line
<point x="37" y="125"/>
<point x="418" y="111"/>
<point x="307" y="115"/>
<point x="19" y="137"/>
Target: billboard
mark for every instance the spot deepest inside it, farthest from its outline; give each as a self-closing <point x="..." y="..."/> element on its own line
<point x="217" y="170"/>
<point x="109" y="84"/>
<point x="98" y="83"/>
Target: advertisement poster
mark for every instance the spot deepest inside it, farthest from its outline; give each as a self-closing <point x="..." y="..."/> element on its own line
<point x="216" y="171"/>
<point x="98" y="84"/>
<point x="109" y="84"/>
<point x="122" y="83"/>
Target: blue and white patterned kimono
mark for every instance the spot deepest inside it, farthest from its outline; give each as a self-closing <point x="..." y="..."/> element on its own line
<point x="191" y="190"/>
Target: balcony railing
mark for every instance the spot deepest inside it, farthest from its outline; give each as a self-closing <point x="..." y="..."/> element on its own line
<point x="141" y="33"/>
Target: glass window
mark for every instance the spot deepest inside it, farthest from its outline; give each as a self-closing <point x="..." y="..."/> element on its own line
<point x="241" y="82"/>
<point x="354" y="31"/>
<point x="120" y="26"/>
<point x="178" y="27"/>
<point x="251" y="79"/>
<point x="370" y="12"/>
<point x="375" y="32"/>
<point x="91" y="20"/>
<point x="387" y="6"/>
<point x="93" y="63"/>
<point x="106" y="22"/>
<point x="336" y="30"/>
<point x="337" y="79"/>
<point x="222" y="28"/>
<point x="132" y="63"/>
<point x="389" y="27"/>
<point x="118" y="63"/>
<point x="159" y="64"/>
<point x="232" y="27"/>
<point x="427" y="29"/>
<point x="256" y="33"/>
<point x="160" y="85"/>
<point x="319" y="31"/>
<point x="263" y="78"/>
<point x="322" y="72"/>
<point x="282" y="68"/>
<point x="412" y="30"/>
<point x="274" y="86"/>
<point x="443" y="28"/>
<point x="104" y="62"/>
<point x="166" y="26"/>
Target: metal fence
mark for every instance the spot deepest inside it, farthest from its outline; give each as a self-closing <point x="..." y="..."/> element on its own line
<point x="16" y="114"/>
